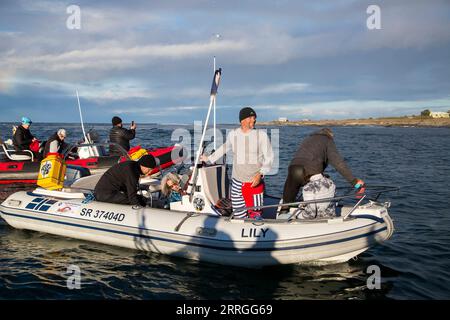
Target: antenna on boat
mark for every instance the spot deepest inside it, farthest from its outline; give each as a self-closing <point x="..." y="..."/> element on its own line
<point x="212" y="99"/>
<point x="81" y="118"/>
<point x="214" y="113"/>
<point x="91" y="153"/>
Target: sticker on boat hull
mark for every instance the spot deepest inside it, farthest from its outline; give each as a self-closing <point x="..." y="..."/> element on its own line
<point x="67" y="207"/>
<point x="40" y="204"/>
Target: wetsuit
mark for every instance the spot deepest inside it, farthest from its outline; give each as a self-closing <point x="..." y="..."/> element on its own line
<point x="312" y="157"/>
<point x="122" y="137"/>
<point x="120" y="184"/>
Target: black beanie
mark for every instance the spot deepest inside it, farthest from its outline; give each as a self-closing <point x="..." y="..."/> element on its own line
<point x="116" y="120"/>
<point x="245" y="113"/>
<point x="147" y="161"/>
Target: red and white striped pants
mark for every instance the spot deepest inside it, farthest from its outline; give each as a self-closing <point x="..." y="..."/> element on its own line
<point x="244" y="195"/>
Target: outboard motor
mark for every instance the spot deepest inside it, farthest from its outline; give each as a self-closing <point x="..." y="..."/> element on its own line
<point x="93" y="136"/>
<point x="93" y="151"/>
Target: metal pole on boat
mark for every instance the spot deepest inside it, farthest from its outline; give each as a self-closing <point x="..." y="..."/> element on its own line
<point x="82" y="125"/>
<point x="214" y="87"/>
<point x="214" y="123"/>
<point x="197" y="158"/>
<point x="81" y="117"/>
<point x="354" y="207"/>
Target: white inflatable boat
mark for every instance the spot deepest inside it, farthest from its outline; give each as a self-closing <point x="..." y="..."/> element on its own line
<point x="192" y="229"/>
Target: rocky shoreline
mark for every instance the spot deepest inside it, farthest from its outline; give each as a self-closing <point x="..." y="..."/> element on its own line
<point x="383" y="122"/>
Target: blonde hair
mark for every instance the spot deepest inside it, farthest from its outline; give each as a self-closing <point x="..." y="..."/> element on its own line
<point x="175" y="178"/>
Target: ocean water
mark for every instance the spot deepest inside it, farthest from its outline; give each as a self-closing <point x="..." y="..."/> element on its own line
<point x="414" y="263"/>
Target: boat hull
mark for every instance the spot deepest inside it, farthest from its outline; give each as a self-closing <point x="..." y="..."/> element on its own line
<point x="214" y="239"/>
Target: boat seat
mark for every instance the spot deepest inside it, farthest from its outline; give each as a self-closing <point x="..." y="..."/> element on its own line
<point x="88" y="182"/>
<point x="65" y="193"/>
<point x="213" y="182"/>
<point x="11" y="154"/>
<point x="74" y="173"/>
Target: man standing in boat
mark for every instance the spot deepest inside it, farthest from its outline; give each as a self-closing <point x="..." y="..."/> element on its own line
<point x="120" y="183"/>
<point x="118" y="134"/>
<point x="252" y="160"/>
<point x="306" y="171"/>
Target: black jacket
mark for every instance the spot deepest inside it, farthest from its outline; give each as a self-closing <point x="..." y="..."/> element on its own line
<point x="61" y="144"/>
<point x="316" y="152"/>
<point x="122" y="177"/>
<point x="122" y="137"/>
<point x="22" y="138"/>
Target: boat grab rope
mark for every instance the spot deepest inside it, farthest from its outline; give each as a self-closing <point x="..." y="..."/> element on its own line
<point x="337" y="198"/>
<point x="188" y="215"/>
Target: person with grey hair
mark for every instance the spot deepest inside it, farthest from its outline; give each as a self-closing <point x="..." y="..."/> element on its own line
<point x="56" y="144"/>
<point x="171" y="187"/>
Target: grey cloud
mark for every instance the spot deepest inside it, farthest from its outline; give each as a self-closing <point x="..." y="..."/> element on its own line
<point x="158" y="54"/>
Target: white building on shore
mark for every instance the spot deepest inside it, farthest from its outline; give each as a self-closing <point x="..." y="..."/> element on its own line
<point x="439" y="114"/>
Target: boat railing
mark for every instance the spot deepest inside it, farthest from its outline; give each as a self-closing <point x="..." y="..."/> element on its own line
<point x="371" y="193"/>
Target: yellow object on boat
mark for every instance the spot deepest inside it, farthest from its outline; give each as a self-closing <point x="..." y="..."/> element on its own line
<point x="52" y="172"/>
<point x="136" y="155"/>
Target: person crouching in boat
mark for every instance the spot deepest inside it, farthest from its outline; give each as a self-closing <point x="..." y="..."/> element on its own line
<point x="252" y="159"/>
<point x="56" y="144"/>
<point x="119" y="184"/>
<point x="306" y="171"/>
<point x="23" y="139"/>
<point x="118" y="134"/>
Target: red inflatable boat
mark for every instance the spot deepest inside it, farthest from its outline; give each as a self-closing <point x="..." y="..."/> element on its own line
<point x="20" y="171"/>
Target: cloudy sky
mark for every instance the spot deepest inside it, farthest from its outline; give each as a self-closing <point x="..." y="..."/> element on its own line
<point x="152" y="61"/>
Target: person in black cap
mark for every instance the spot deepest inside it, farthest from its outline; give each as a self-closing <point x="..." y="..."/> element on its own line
<point x="121" y="136"/>
<point x="252" y="160"/>
<point x="120" y="183"/>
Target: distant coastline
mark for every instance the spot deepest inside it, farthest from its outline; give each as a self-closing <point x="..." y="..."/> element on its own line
<point x="383" y="122"/>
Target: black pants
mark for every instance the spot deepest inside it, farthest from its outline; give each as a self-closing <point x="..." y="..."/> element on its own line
<point x="295" y="180"/>
<point x="118" y="198"/>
